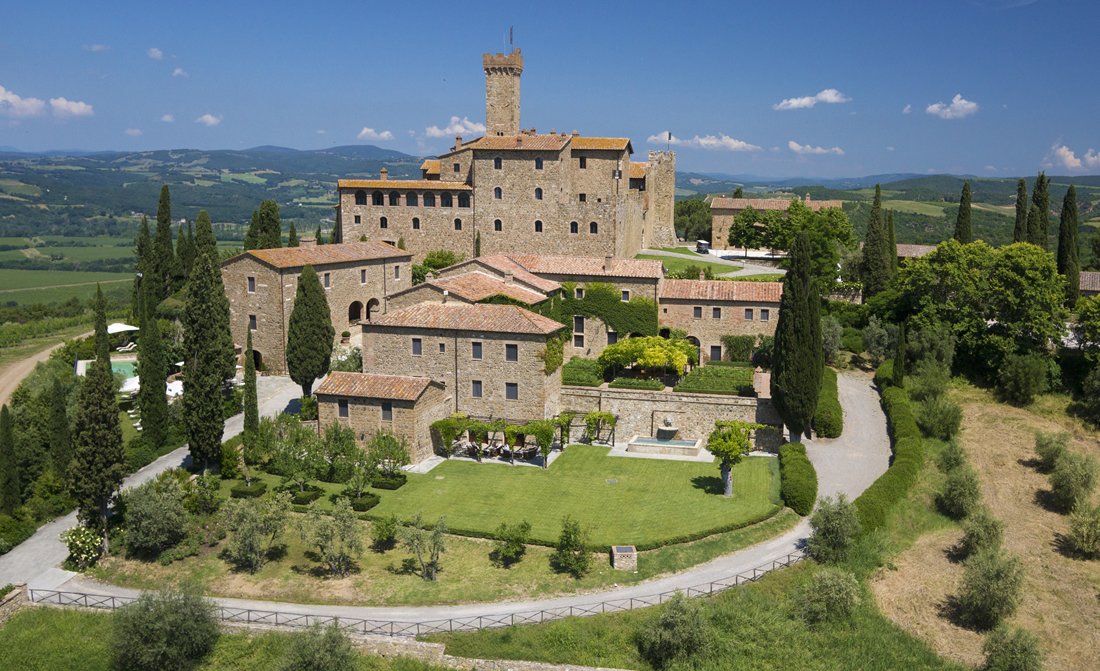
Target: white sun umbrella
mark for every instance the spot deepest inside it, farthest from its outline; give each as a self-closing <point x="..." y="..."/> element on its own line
<point x="130" y="385"/>
<point x="175" y="389"/>
<point x="119" y="327"/>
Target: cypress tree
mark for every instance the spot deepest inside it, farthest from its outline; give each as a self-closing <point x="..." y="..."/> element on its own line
<point x="252" y="235"/>
<point x="61" y="452"/>
<point x="477" y="244"/>
<point x="797" y="357"/>
<point x="319" y="236"/>
<point x="97" y="467"/>
<point x="1034" y="225"/>
<point x="877" y="257"/>
<point x="102" y="342"/>
<point x="1040" y="197"/>
<point x="143" y="255"/>
<point x="269" y="226"/>
<point x="152" y="369"/>
<point x="310" y="333"/>
<point x="9" y="466"/>
<point x="738" y="193"/>
<point x="164" y="256"/>
<point x="1019" y="233"/>
<point x="899" y="357"/>
<point x="185" y="251"/>
<point x="205" y="242"/>
<point x="292" y="236"/>
<point x="1068" y="263"/>
<point x="251" y="402"/>
<point x="204" y="366"/>
<point x="963" y="232"/>
<point x="893" y="244"/>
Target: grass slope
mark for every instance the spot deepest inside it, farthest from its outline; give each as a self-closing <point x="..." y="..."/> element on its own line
<point x="675" y="264"/>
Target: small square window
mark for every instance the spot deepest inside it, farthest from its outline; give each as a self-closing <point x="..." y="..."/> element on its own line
<point x="442" y="347"/>
<point x="328" y="280"/>
<point x="458" y="167"/>
<point x="511" y="391"/>
<point x="475" y="351"/>
<point x="251" y="322"/>
<point x="538" y="227"/>
<point x="416" y="223"/>
<point x="765" y="314"/>
<point x="538" y="163"/>
<point x="511" y="352"/>
<point x="363" y="276"/>
<point x="397" y="272"/>
<point x="697" y="312"/>
<point x="498" y="163"/>
<point x="715" y="352"/>
<point x="251" y="285"/>
<point x="578" y="293"/>
<point x="387" y="411"/>
<point x="475" y="388"/>
<point x="612" y="337"/>
<point x="583" y="162"/>
<point x="748" y="314"/>
<point x="583" y="197"/>
<point x="625" y="295"/>
<point x="417" y="346"/>
<point x="342" y="406"/>
<point x="578" y="324"/>
<point x="358" y="219"/>
<point x="716" y="313"/>
<point x="578" y="341"/>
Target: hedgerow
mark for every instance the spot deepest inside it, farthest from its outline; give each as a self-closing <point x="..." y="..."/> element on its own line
<point x="739" y="347"/>
<point x="797" y="477"/>
<point x="729" y="380"/>
<point x="829" y="418"/>
<point x="582" y="372"/>
<point x="636" y="383"/>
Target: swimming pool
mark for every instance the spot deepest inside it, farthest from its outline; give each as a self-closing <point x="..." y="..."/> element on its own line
<point x="126" y="368"/>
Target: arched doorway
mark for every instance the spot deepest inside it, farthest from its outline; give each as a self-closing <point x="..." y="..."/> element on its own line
<point x="373" y="307"/>
<point x="355" y="312"/>
<point x="257" y="359"/>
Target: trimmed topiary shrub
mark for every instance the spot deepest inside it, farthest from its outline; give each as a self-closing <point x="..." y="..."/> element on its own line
<point x="1012" y="650"/>
<point x="961" y="493"/>
<point x="1072" y="480"/>
<point x="829" y="418"/>
<point x="582" y="372"/>
<point x="835" y="526"/>
<point x="730" y="380"/>
<point x="636" y="383"/>
<point x="883" y="493"/>
<point x="1050" y="447"/>
<point x="162" y="630"/>
<point x="830" y="594"/>
<point x="362" y="504"/>
<point x="981" y="531"/>
<point x="798" y="479"/>
<point x="939" y="417"/>
<point x="242" y="491"/>
<point x="991" y="585"/>
<point x="389" y="482"/>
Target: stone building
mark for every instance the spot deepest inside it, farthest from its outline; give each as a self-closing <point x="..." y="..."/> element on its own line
<point x="515" y="189"/>
<point x="710" y="309"/>
<point x="1089" y="283"/>
<point x="490" y="358"/>
<point x="261" y="285"/>
<point x="402" y="405"/>
<point x="725" y="210"/>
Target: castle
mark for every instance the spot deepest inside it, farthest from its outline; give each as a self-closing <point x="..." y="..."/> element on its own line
<point x="515" y="189"/>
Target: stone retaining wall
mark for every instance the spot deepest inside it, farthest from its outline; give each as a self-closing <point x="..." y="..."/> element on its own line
<point x="13" y="602"/>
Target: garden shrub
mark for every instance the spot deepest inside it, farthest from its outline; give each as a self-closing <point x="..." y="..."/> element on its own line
<point x="244" y="491"/>
<point x="884" y="375"/>
<point x="798" y="479"/>
<point x="383" y="533"/>
<point x="679" y="631"/>
<point x="991" y="585"/>
<point x="929" y="380"/>
<point x="830" y="594"/>
<point x="14" y="531"/>
<point x="851" y="340"/>
<point x="582" y="372"/>
<point x="951" y="456"/>
<point x="162" y="630"/>
<point x="362" y="504"/>
<point x="1022" y="378"/>
<point x="511" y="543"/>
<point x="1050" y="447"/>
<point x="762" y="355"/>
<point x="308" y="411"/>
<point x="830" y="339"/>
<point x="139" y="454"/>
<point x="981" y="531"/>
<point x="939" y="417"/>
<point x="571" y="553"/>
<point x="961" y="492"/>
<point x="1012" y="649"/>
<point x="302" y="497"/>
<point x="892" y="485"/>
<point x="84" y="545"/>
<point x="155" y="517"/>
<point x="636" y="383"/>
<point x="1072" y="480"/>
<point x="933" y="344"/>
<point x="230" y="462"/>
<point x="835" y="526"/>
<point x="1084" y="530"/>
<point x="389" y="482"/>
<point x="829" y="418"/>
<point x="876" y="340"/>
<point x="1089" y="405"/>
<point x="320" y="648"/>
<point x="739" y="347"/>
<point x="729" y="380"/>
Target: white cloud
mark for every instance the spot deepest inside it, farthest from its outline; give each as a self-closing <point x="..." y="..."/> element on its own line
<point x="991" y="168"/>
<point x="958" y="108"/>
<point x="828" y="96"/>
<point x="370" y="134"/>
<point x="63" y="107"/>
<point x="96" y="48"/>
<point x="717" y="142"/>
<point x="1063" y="156"/>
<point x="890" y="147"/>
<point x="456" y="126"/>
<point x="180" y="72"/>
<point x="133" y="132"/>
<point x="16" y="106"/>
<point x="321" y="131"/>
<point x="209" y="120"/>
<point x="155" y="54"/>
<point x="809" y="149"/>
<point x="907" y="109"/>
<point x="168" y="118"/>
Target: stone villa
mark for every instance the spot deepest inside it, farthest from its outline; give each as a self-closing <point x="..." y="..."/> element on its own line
<point x="725" y="210"/>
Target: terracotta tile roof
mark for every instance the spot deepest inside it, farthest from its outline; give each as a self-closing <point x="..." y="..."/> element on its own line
<point x="1090" y="280"/>
<point x="589" y="265"/>
<point x="550" y="142"/>
<point x="477" y="286"/>
<point x="319" y="255"/>
<point x="465" y="317"/>
<point x="637" y="170"/>
<point x="913" y="251"/>
<point x="768" y="203"/>
<point x="722" y="290"/>
<point x="503" y="264"/>
<point x="367" y="385"/>
<point x="430" y="166"/>
<point x="604" y="143"/>
<point x="402" y="184"/>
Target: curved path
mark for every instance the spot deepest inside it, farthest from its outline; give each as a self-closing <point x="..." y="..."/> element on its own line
<point x="848" y="464"/>
<point x="743" y="266"/>
<point x="12" y="374"/>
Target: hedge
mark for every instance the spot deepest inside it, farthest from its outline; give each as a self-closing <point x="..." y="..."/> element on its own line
<point x="636" y="383"/>
<point x="739" y="347"/>
<point x="829" y="419"/>
<point x="730" y="380"/>
<point x="242" y="491"/>
<point x="884" y="375"/>
<point x="797" y="478"/>
<point x="395" y="481"/>
<point x="364" y="502"/>
<point x="874" y="503"/>
<point x="582" y="372"/>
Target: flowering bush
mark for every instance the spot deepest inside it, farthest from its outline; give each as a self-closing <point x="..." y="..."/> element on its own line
<point x="84" y="546"/>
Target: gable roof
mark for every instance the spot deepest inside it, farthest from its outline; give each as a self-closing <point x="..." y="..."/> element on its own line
<point x="399" y="184"/>
<point x="602" y="143"/>
<point x="589" y="265"/>
<point x="477" y="286"/>
<point x="320" y="255"/>
<point x="912" y="251"/>
<point x="637" y="170"/>
<point x="770" y="203"/>
<point x="1089" y="280"/>
<point x="430" y="166"/>
<point x="722" y="290"/>
<point x="369" y="385"/>
<point x="503" y="264"/>
<point x="522" y="141"/>
<point x="467" y="317"/>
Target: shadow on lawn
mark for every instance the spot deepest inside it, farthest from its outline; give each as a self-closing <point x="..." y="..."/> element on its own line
<point x="710" y="484"/>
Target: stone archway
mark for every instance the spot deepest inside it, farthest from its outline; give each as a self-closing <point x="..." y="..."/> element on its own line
<point x="257" y="359"/>
<point x="373" y="309"/>
<point x="355" y="312"/>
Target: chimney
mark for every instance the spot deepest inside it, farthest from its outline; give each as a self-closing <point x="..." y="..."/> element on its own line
<point x="807" y="198"/>
<point x="384" y="173"/>
<point x="445" y="294"/>
<point x="458" y="142"/>
<point x="307" y="242"/>
<point x="702" y="274"/>
<point x="607" y="263"/>
<point x="508" y="277"/>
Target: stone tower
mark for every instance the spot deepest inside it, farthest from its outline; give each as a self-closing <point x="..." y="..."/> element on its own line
<point x="661" y="193"/>
<point x="502" y="73"/>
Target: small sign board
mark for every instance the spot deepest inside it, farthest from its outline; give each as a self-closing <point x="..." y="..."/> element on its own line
<point x="624" y="557"/>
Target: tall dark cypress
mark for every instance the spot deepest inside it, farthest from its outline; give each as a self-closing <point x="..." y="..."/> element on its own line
<point x="185" y="251"/>
<point x="9" y="465"/>
<point x="292" y="236"/>
<point x="143" y="265"/>
<point x="251" y="402"/>
<point x="797" y="357"/>
<point x="102" y="341"/>
<point x="1068" y="263"/>
<point x="1040" y="197"/>
<point x="1034" y="225"/>
<point x="319" y="236"/>
<point x="893" y="242"/>
<point x="963" y="232"/>
<point x="205" y="242"/>
<point x="252" y="235"/>
<point x="1019" y="233"/>
<point x="877" y="262"/>
<point x="164" y="256"/>
<point x="899" y="357"/>
<point x="203" y="367"/>
<point x="270" y="226"/>
<point x="97" y="467"/>
<point x="152" y="368"/>
<point x="61" y="451"/>
<point x="309" y="333"/>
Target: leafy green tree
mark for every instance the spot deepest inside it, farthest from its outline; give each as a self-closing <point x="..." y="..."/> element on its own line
<point x="878" y="261"/>
<point x="835" y="526"/>
<point x="991" y="586"/>
<point x="143" y="267"/>
<point x="250" y="400"/>
<point x="336" y="536"/>
<point x="963" y="232"/>
<point x="511" y="543"/>
<point x="747" y="230"/>
<point x="829" y="234"/>
<point x="426" y="545"/>
<point x="164" y="265"/>
<point x="98" y="458"/>
<point x="204" y="336"/>
<point x="162" y="630"/>
<point x="9" y="468"/>
<point x="292" y="236"/>
<point x="254" y="526"/>
<point x="1069" y="266"/>
<point x="152" y="370"/>
<point x="387" y="453"/>
<point x="320" y="648"/>
<point x="571" y="553"/>
<point x="155" y="517"/>
<point x="830" y="594"/>
<point x="310" y="333"/>
<point x="1088" y="327"/>
<point x="876" y="340"/>
<point x="730" y="442"/>
<point x="1019" y="232"/>
<point x="680" y="631"/>
<point x="692" y="219"/>
<point x="205" y="242"/>
<point x="797" y="358"/>
<point x="1040" y="199"/>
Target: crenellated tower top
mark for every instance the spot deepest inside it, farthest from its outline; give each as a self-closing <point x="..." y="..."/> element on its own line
<point x="502" y="73"/>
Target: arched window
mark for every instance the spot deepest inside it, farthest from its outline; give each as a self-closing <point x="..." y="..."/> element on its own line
<point x="593" y="227"/>
<point x="445" y="200"/>
<point x="458" y="224"/>
<point x="383" y="223"/>
<point x="377" y="198"/>
<point x="464" y="200"/>
<point x="538" y="163"/>
<point x="573" y="227"/>
<point x="429" y="199"/>
<point x="538" y="227"/>
<point x="360" y="197"/>
<point x="498" y="225"/>
<point x="416" y="223"/>
<point x="498" y="163"/>
<point x="538" y="193"/>
<point x="411" y="199"/>
<point x="395" y="198"/>
<point x="498" y="193"/>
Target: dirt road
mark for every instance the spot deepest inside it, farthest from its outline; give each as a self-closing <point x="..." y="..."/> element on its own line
<point x="13" y="373"/>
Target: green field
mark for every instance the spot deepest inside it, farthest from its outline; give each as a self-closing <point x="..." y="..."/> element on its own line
<point x="675" y="264"/>
<point x="914" y="207"/>
<point x="47" y="286"/>
<point x="619" y="500"/>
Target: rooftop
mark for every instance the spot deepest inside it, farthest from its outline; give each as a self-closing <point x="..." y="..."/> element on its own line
<point x="504" y="264"/>
<point x="589" y="265"/>
<point x="477" y="286"/>
<point x="722" y="290"/>
<point x="769" y="203"/>
<point x="602" y="143"/>
<point x="435" y="185"/>
<point x="368" y="385"/>
<point x="319" y="255"/>
<point x="1090" y="280"/>
<point x="637" y="170"/>
<point x="522" y="141"/>
<point x="913" y="251"/>
<point x="430" y="166"/>
<point x="464" y="317"/>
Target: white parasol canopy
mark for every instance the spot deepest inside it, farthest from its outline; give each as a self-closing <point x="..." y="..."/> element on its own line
<point x="119" y="327"/>
<point x="175" y="389"/>
<point x="130" y="385"/>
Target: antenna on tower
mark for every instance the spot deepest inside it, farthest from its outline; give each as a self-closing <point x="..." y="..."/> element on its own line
<point x="510" y="43"/>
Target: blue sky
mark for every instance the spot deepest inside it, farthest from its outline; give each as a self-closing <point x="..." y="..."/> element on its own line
<point x="984" y="87"/>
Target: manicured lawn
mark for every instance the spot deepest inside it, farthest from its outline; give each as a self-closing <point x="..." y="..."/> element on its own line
<point x="619" y="500"/>
<point x="761" y="277"/>
<point x="680" y="250"/>
<point x="675" y="264"/>
<point x="48" y="286"/>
